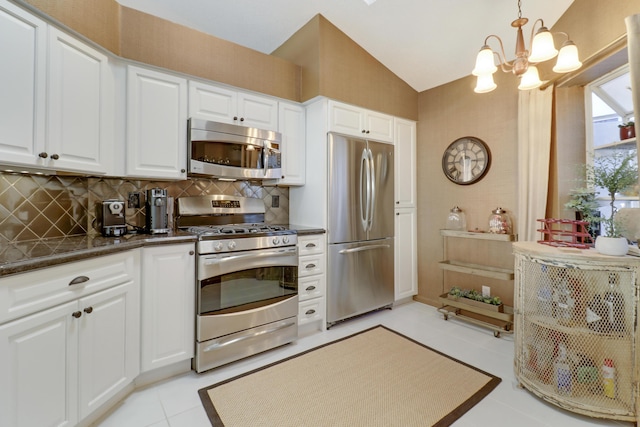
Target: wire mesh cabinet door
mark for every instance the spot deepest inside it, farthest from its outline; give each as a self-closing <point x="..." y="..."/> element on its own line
<point x="576" y="329"/>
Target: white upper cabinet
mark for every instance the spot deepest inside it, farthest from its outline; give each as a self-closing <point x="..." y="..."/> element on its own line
<point x="23" y="76"/>
<point x="57" y="116"/>
<point x="220" y="104"/>
<point x="292" y="126"/>
<point x="405" y="163"/>
<point x="356" y="121"/>
<point x="79" y="107"/>
<point x="156" y="124"/>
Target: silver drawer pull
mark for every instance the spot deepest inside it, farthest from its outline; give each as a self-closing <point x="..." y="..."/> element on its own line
<point x="78" y="280"/>
<point x="310" y="288"/>
<point x="310" y="312"/>
<point x="308" y="266"/>
<point x="231" y="341"/>
<point x="310" y="245"/>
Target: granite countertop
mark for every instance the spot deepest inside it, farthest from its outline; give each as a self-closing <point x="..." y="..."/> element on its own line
<point x="20" y="257"/>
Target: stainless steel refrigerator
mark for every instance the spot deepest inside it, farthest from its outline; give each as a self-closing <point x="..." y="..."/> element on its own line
<point x="360" y="258"/>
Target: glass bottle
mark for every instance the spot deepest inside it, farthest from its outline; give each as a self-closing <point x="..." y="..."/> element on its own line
<point x="500" y="222"/>
<point x="456" y="219"/>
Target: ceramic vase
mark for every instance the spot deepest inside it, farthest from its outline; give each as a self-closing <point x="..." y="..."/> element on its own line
<point x="616" y="246"/>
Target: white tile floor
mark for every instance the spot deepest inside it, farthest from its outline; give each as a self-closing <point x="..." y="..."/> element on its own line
<point x="175" y="402"/>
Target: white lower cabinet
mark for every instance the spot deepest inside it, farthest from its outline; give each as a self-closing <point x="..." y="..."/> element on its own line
<point x="312" y="282"/>
<point x="58" y="365"/>
<point x="168" y="305"/>
<point x="406" y="266"/>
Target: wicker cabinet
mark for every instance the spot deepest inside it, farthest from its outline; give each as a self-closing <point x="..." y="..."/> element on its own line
<point x="576" y="329"/>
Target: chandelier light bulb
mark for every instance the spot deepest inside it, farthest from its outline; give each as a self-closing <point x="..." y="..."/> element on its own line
<point x="484" y="62"/>
<point x="485" y="83"/>
<point x="530" y="79"/>
<point x="567" y="58"/>
<point x="542" y="47"/>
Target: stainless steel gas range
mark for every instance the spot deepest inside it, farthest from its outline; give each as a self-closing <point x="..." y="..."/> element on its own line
<point x="246" y="278"/>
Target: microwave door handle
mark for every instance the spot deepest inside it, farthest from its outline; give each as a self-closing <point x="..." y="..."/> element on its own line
<point x="265" y="157"/>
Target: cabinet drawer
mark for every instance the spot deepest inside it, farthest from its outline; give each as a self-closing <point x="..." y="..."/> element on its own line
<point x="27" y="293"/>
<point x="311" y="287"/>
<point x="310" y="311"/>
<point x="313" y="244"/>
<point x="310" y="265"/>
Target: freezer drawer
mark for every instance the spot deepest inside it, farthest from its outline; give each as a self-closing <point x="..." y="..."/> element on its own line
<point x="359" y="278"/>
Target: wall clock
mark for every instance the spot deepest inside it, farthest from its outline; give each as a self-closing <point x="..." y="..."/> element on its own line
<point x="466" y="160"/>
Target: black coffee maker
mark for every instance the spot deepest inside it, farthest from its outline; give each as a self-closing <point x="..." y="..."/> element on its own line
<point x="156" y="211"/>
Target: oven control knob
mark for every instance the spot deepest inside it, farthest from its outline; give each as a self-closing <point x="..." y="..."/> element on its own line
<point x="276" y="241"/>
<point x="285" y="240"/>
<point x="218" y="246"/>
<point x="231" y="245"/>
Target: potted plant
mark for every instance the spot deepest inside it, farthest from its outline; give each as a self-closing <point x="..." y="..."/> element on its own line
<point x="627" y="130"/>
<point x="614" y="173"/>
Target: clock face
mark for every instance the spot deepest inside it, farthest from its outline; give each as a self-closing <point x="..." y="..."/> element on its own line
<point x="466" y="160"/>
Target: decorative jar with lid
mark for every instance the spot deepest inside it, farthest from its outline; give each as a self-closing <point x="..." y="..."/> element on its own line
<point x="500" y="222"/>
<point x="456" y="219"/>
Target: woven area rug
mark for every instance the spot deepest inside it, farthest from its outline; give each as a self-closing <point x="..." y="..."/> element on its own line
<point x="376" y="377"/>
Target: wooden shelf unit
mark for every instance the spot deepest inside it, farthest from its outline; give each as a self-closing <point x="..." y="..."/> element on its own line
<point x="498" y="322"/>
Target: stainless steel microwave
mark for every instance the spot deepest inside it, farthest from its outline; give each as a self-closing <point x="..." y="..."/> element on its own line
<point x="225" y="151"/>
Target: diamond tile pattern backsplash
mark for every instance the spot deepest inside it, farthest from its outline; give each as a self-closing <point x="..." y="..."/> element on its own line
<point x="36" y="207"/>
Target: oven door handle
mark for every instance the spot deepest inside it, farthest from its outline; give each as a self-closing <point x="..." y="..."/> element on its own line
<point x="220" y="343"/>
<point x="210" y="267"/>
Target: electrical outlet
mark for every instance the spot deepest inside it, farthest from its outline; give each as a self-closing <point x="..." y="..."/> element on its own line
<point x="275" y="201"/>
<point x="486" y="291"/>
<point x="134" y="201"/>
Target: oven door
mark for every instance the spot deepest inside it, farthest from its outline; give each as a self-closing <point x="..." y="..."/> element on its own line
<point x="244" y="289"/>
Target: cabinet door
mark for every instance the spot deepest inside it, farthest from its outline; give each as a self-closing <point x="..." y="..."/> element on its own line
<point x="405" y="166"/>
<point x="291" y="119"/>
<point x="156" y="124"/>
<point x="168" y="305"/>
<point x="38" y="359"/>
<point x="379" y="126"/>
<point x="109" y="344"/>
<point x="257" y="111"/>
<point x="406" y="268"/>
<point x="208" y="102"/>
<point x="76" y="105"/>
<point x="346" y="119"/>
<point x="23" y="76"/>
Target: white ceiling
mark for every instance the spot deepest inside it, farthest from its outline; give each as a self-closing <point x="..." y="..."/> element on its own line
<point x="425" y="42"/>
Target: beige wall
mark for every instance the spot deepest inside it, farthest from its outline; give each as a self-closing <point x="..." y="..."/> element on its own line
<point x="449" y="112"/>
<point x="141" y="37"/>
<point x="454" y="110"/>
<point x="335" y="66"/>
<point x="318" y="60"/>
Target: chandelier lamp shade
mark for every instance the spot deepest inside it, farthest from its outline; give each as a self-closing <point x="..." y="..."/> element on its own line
<point x="524" y="65"/>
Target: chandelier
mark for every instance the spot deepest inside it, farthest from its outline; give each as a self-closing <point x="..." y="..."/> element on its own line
<point x="524" y="64"/>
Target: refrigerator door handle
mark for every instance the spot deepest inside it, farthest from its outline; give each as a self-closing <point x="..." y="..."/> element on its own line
<point x="372" y="181"/>
<point x="365" y="186"/>
<point x="363" y="248"/>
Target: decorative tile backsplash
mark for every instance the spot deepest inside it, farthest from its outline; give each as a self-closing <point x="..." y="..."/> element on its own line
<point x="36" y="207"/>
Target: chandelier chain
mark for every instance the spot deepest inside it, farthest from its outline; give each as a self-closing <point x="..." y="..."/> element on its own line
<point x="519" y="9"/>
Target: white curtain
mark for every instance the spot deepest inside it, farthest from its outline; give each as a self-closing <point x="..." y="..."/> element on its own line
<point x="534" y="151"/>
